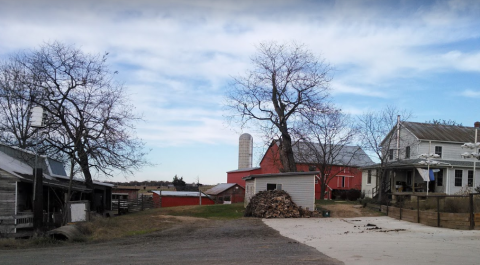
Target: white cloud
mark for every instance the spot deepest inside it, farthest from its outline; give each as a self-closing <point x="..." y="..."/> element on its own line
<point x="471" y="93"/>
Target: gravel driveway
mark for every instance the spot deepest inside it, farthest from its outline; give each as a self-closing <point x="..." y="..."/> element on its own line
<point x="202" y="241"/>
<point x="382" y="240"/>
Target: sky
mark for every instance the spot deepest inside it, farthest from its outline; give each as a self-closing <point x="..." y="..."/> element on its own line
<point x="177" y="59"/>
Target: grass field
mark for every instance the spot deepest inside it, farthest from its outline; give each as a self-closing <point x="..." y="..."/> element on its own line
<point x="102" y="229"/>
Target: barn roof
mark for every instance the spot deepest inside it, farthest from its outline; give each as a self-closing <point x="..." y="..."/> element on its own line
<point x="343" y="155"/>
<point x="221" y="188"/>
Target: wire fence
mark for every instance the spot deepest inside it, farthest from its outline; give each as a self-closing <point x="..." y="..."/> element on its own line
<point x="123" y="206"/>
<point x="452" y="211"/>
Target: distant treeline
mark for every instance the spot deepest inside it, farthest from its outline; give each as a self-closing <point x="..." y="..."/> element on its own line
<point x="160" y="183"/>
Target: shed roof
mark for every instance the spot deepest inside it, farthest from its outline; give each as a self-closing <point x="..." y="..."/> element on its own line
<point x="221" y="188"/>
<point x="439" y="132"/>
<point x="287" y="174"/>
<point x="178" y="193"/>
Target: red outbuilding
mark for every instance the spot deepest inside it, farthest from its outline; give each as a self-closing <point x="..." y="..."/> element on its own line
<point x="226" y="193"/>
<point x="179" y="198"/>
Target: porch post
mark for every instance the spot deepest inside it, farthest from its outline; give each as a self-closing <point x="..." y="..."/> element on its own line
<point x="38" y="199"/>
<point x="414" y="175"/>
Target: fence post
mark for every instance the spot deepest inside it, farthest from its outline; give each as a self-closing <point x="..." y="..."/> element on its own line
<point x="387" y="205"/>
<point x="418" y="209"/>
<point x="438" y="211"/>
<point x="118" y="205"/>
<point x="142" y="202"/>
<point x="401" y="207"/>
<point x="472" y="219"/>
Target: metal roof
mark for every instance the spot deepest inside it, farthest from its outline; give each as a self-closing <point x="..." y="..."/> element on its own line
<point x="343" y="155"/>
<point x="221" y="188"/>
<point x="178" y="193"/>
<point x="438" y="132"/>
<point x="415" y="163"/>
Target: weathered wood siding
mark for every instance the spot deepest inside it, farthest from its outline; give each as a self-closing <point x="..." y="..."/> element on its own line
<point x="300" y="187"/>
<point x="7" y="202"/>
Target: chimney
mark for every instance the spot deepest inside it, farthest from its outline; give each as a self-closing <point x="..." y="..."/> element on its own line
<point x="476" y="124"/>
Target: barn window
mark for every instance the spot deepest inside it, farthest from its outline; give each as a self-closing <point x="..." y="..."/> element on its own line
<point x="226" y="198"/>
<point x="274" y="186"/>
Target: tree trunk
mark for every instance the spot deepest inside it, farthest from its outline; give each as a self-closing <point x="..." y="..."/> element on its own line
<point x="286" y="154"/>
<point x="83" y="162"/>
<point x="323" y="188"/>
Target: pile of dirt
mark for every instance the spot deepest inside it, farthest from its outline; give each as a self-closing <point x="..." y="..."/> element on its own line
<point x="275" y="204"/>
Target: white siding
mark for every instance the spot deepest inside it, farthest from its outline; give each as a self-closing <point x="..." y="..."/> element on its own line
<point x="367" y="188"/>
<point x="301" y="188"/>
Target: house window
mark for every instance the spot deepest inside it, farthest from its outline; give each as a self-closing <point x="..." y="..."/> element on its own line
<point x="470" y="178"/>
<point x="343" y="182"/>
<point x="311" y="168"/>
<point x="273" y="186"/>
<point x="369" y="177"/>
<point x="458" y="178"/>
<point x="407" y="152"/>
<point x="438" y="150"/>
<point x="390" y="154"/>
<point x="439" y="178"/>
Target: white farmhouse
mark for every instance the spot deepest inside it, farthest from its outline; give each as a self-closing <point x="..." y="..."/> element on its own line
<point x="449" y="171"/>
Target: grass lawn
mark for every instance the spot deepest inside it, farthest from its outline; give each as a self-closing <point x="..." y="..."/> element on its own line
<point x="216" y="211"/>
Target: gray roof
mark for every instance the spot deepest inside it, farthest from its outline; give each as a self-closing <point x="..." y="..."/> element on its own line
<point x="438" y="132"/>
<point x="221" y="188"/>
<point x="345" y="155"/>
<point x="415" y="163"/>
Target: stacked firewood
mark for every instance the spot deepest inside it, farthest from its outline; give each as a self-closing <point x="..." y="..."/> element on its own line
<point x="275" y="204"/>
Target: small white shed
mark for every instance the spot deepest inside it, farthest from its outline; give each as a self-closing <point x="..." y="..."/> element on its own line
<point x="300" y="186"/>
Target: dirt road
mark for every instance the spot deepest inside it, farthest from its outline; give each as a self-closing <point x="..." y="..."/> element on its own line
<point x="190" y="241"/>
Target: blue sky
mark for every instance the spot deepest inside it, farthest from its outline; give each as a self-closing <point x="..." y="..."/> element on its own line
<point x="177" y="57"/>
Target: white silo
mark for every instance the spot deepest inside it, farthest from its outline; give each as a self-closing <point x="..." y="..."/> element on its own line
<point x="245" y="151"/>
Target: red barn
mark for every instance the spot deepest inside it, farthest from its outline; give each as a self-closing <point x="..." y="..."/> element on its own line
<point x="346" y="168"/>
<point x="235" y="176"/>
<point x="179" y="198"/>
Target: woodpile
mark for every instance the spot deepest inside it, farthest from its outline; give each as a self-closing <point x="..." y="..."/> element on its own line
<point x="275" y="204"/>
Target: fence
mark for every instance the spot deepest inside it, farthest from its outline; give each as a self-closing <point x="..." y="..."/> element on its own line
<point x="123" y="206"/>
<point x="449" y="211"/>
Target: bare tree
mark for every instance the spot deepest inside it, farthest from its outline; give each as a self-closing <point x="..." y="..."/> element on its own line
<point x="285" y="80"/>
<point x="377" y="134"/>
<point x="90" y="121"/>
<point x="14" y="109"/>
<point x="327" y="144"/>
